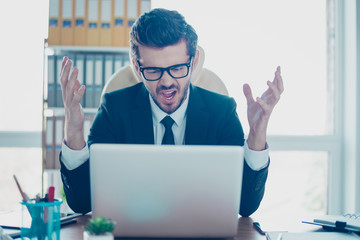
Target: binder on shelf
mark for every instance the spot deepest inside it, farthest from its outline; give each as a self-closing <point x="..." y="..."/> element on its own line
<point x="119" y="24"/>
<point x="98" y="81"/>
<point x="126" y="61"/>
<point x="54" y="22"/>
<point x="80" y="23"/>
<point x="108" y="68"/>
<point x="58" y="92"/>
<point x="59" y="128"/>
<point x="93" y="29"/>
<point x="49" y="144"/>
<point x="51" y="93"/>
<point x="145" y="6"/>
<point x="119" y="63"/>
<point x="106" y="26"/>
<point x="132" y="9"/>
<point x="67" y="26"/>
<point x="89" y="82"/>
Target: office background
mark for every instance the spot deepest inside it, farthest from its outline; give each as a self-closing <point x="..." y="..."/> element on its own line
<point x="314" y="135"/>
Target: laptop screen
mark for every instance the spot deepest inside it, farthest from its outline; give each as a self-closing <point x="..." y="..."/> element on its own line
<point x="167" y="191"/>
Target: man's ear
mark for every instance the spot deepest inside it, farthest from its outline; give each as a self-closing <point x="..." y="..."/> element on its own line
<point x="136" y="67"/>
<point x="136" y="70"/>
<point x="196" y="59"/>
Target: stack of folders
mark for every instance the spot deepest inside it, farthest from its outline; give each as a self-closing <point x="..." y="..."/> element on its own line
<point x="93" y="22"/>
<point x="95" y="69"/>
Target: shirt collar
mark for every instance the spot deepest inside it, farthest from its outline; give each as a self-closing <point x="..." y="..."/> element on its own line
<point x="178" y="116"/>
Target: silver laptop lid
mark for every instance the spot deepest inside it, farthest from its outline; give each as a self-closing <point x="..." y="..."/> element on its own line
<point x="167" y="191"/>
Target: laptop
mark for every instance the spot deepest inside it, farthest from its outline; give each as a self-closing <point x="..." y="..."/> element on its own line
<point x="167" y="191"/>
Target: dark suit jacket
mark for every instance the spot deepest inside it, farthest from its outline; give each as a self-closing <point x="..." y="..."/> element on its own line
<point x="125" y="117"/>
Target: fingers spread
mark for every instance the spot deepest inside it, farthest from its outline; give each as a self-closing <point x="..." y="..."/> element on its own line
<point x="65" y="70"/>
<point x="248" y="93"/>
<point x="278" y="80"/>
<point x="72" y="86"/>
<point x="266" y="107"/>
<point x="65" y="58"/>
<point x="78" y="94"/>
<point x="64" y="75"/>
<point x="274" y="91"/>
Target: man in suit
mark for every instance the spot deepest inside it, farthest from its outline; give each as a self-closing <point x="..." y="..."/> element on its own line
<point x="165" y="108"/>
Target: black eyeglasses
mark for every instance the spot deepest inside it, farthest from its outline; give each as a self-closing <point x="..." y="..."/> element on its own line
<point x="155" y="73"/>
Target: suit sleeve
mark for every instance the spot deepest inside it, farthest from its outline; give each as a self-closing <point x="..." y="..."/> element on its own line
<point x="253" y="184"/>
<point x="253" y="188"/>
<point x="76" y="182"/>
<point x="77" y="187"/>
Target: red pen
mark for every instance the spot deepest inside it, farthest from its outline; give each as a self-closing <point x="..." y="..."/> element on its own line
<point x="51" y="194"/>
<point x="50" y="198"/>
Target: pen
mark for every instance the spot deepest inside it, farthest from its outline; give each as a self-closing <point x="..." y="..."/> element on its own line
<point x="51" y="193"/>
<point x="258" y="228"/>
<point x="23" y="195"/>
<point x="49" y="211"/>
<point x="49" y="197"/>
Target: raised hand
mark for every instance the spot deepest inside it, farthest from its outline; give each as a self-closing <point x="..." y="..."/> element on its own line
<point x="259" y="111"/>
<point x="72" y="92"/>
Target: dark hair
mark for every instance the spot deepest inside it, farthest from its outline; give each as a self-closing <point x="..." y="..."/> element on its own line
<point x="160" y="28"/>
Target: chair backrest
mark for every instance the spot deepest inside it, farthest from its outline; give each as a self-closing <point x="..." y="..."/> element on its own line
<point x="202" y="77"/>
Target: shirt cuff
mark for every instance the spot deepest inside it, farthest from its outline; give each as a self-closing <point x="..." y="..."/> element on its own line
<point x="256" y="160"/>
<point x="74" y="158"/>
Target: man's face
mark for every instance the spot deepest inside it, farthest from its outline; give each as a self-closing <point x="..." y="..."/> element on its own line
<point x="167" y="92"/>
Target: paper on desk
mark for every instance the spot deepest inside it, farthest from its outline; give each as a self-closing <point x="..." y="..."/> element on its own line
<point x="273" y="235"/>
<point x="312" y="236"/>
<point x="10" y="219"/>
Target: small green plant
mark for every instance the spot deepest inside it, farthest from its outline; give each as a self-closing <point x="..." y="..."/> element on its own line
<point x="100" y="226"/>
<point x="62" y="193"/>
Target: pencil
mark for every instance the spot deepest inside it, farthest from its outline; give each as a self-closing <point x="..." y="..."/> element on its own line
<point x="23" y="195"/>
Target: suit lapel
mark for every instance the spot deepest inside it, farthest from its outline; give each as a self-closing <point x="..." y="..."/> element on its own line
<point x="141" y="117"/>
<point x="197" y="122"/>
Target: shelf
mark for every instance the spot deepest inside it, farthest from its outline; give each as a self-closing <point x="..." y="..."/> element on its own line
<point x="51" y="50"/>
<point x="58" y="112"/>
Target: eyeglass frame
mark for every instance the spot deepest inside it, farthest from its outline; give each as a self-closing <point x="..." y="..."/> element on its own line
<point x="167" y="69"/>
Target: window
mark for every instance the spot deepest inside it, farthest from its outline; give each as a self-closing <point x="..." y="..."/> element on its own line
<point x="26" y="164"/>
<point x="244" y="42"/>
<point x="21" y="81"/>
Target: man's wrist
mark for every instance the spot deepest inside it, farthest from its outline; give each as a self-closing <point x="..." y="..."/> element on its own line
<point x="75" y="141"/>
<point x="256" y="142"/>
<point x="256" y="160"/>
<point x="75" y="144"/>
<point x="74" y="138"/>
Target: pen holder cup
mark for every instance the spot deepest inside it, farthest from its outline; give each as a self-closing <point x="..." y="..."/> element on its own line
<point x="40" y="220"/>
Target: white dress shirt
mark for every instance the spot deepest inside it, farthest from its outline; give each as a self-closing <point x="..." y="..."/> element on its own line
<point x="256" y="160"/>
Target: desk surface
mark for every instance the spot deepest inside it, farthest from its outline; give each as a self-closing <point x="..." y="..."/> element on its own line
<point x="245" y="230"/>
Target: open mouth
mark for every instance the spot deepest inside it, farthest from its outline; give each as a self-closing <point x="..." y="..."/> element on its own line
<point x="168" y="95"/>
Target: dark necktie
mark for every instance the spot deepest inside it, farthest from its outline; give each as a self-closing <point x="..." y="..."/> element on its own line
<point x="168" y="135"/>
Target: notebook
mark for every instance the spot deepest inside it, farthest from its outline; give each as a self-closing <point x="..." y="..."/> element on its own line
<point x="350" y="222"/>
<point x="311" y="236"/>
<point x="167" y="191"/>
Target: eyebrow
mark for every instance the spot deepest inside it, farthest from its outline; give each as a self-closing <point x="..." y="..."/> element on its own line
<point x="187" y="62"/>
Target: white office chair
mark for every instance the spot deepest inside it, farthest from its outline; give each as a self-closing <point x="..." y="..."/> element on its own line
<point x="202" y="77"/>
